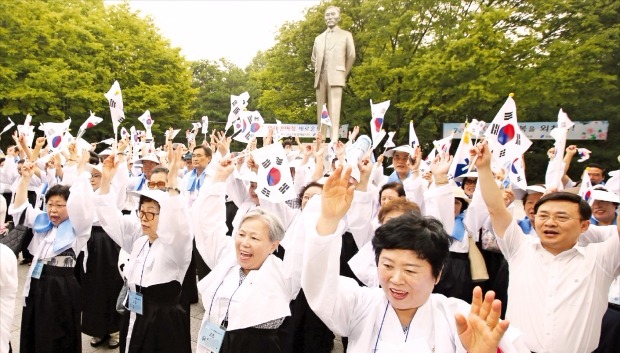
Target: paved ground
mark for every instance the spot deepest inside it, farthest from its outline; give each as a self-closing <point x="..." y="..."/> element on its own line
<point x="197" y="312"/>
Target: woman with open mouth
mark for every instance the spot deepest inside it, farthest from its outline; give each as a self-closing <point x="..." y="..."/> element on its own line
<point x="403" y="315"/>
<point x="247" y="294"/>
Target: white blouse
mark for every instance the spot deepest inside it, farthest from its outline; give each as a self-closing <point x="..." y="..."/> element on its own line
<point x="364" y="315"/>
<point x="265" y="293"/>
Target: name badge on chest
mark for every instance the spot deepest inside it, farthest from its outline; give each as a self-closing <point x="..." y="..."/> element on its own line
<point x="211" y="336"/>
<point x="38" y="269"/>
<point x="135" y="302"/>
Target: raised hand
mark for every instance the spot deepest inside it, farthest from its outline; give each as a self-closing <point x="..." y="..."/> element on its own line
<point x="175" y="158"/>
<point x="508" y="196"/>
<point x="40" y="142"/>
<point x="482" y="330"/>
<point x="441" y="165"/>
<point x="416" y="159"/>
<point x="481" y="155"/>
<point x="336" y="200"/>
<point x="223" y="170"/>
<point x="27" y="170"/>
<point x="83" y="161"/>
<point x="223" y="143"/>
<point x="108" y="170"/>
<point x="268" y="139"/>
<point x="353" y="134"/>
<point x="252" y="164"/>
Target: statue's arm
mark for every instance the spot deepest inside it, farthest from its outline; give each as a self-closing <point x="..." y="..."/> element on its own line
<point x="350" y="52"/>
<point x="313" y="58"/>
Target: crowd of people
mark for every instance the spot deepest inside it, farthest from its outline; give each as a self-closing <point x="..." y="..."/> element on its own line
<point x="121" y="242"/>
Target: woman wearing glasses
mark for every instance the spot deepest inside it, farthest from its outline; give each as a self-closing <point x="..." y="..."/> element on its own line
<point x="51" y="313"/>
<point x="160" y="248"/>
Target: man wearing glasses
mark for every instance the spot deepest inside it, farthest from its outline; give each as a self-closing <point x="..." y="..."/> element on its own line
<point x="557" y="289"/>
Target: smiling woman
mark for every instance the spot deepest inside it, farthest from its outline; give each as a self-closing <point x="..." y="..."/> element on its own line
<point x="247" y="294"/>
<point x="403" y="315"/>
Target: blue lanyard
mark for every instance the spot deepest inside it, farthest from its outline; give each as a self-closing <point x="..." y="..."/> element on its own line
<point x="144" y="265"/>
<point x="381" y="327"/>
<point x="229" y="301"/>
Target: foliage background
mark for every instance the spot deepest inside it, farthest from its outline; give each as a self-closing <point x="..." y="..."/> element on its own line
<point x="437" y="61"/>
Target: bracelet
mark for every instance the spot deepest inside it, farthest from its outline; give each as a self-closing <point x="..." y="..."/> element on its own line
<point x="174" y="189"/>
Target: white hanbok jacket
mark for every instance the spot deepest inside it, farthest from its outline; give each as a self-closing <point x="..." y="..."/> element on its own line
<point x="265" y="293"/>
<point x="358" y="312"/>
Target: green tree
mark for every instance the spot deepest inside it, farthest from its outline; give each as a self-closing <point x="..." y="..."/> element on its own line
<point x="58" y="58"/>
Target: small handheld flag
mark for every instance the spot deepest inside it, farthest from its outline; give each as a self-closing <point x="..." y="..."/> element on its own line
<point x="584" y="154"/>
<point x="325" y="120"/>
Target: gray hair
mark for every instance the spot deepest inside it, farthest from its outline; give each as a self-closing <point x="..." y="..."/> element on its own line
<point x="273" y="223"/>
<point x="333" y="7"/>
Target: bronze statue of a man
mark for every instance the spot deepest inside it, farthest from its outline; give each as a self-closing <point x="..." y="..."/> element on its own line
<point x="333" y="55"/>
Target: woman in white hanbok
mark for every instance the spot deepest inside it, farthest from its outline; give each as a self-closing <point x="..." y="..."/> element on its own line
<point x="403" y="315"/>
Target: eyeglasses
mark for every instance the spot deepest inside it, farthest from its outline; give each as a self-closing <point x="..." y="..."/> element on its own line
<point x="559" y="218"/>
<point x="56" y="207"/>
<point x="156" y="184"/>
<point x="149" y="216"/>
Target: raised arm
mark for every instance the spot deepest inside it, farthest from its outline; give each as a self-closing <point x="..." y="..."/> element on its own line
<point x="124" y="230"/>
<point x="208" y="215"/>
<point x="336" y="200"/>
<point x="491" y="194"/>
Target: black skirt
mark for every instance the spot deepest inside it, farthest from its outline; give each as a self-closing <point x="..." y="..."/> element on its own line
<point x="51" y="317"/>
<point x="303" y="331"/>
<point x="251" y="340"/>
<point x="456" y="278"/>
<point x="163" y="326"/>
<point x="100" y="285"/>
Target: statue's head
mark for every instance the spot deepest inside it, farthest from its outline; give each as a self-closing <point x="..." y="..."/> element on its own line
<point x="332" y="16"/>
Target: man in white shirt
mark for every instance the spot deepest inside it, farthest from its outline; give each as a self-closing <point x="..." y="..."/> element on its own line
<point x="557" y="289"/>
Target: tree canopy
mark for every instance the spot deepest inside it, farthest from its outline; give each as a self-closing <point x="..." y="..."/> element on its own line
<point x="58" y="58"/>
<point x="445" y="61"/>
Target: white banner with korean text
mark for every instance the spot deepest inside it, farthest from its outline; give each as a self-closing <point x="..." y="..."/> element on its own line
<point x="582" y="130"/>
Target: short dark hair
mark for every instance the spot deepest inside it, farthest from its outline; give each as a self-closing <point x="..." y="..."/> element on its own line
<point x="144" y="199"/>
<point x="585" y="212"/>
<point x="287" y="142"/>
<point x="207" y="150"/>
<point x="308" y="186"/>
<point x="94" y="158"/>
<point x="596" y="165"/>
<point x="423" y="235"/>
<point x="396" y="186"/>
<point x="464" y="203"/>
<point x="58" y="190"/>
